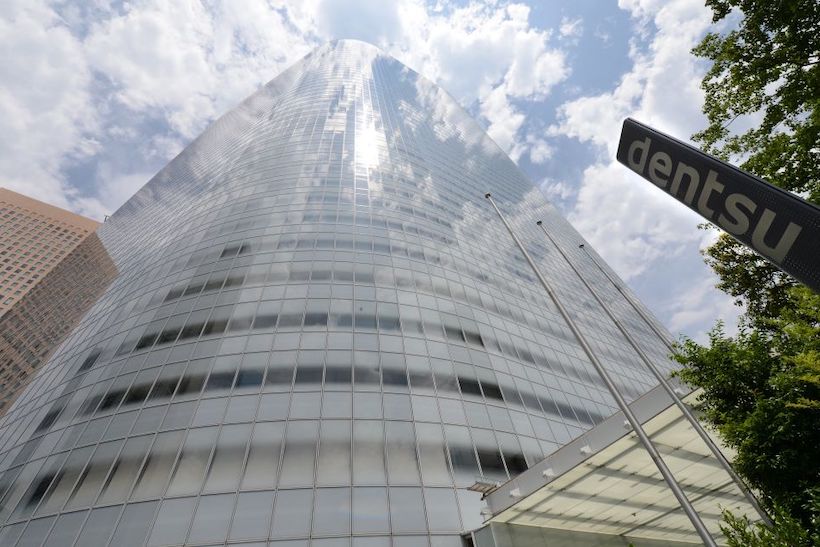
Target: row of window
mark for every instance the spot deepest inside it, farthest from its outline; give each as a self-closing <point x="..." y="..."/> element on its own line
<point x="326" y="514"/>
<point x="262" y="456"/>
<point x="362" y="219"/>
<point x="278" y="371"/>
<point x="333" y="315"/>
<point x="347" y="272"/>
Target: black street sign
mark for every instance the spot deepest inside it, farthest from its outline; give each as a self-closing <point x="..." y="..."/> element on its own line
<point x="777" y="224"/>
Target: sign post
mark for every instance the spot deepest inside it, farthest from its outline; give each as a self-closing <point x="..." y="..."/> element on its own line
<point x="775" y="223"/>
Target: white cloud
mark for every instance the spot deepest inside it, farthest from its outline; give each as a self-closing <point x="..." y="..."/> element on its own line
<point x="537" y="149"/>
<point x="634" y="225"/>
<point x="557" y="189"/>
<point x="373" y="21"/>
<point x="188" y="62"/>
<point x="154" y="54"/>
<point x="661" y="89"/>
<point x="535" y="68"/>
<point x="602" y="35"/>
<point x="597" y="119"/>
<point x="46" y="115"/>
<point x="118" y="187"/>
<point x="505" y="120"/>
<point x="702" y="304"/>
<point x="629" y="221"/>
<point x="484" y="53"/>
<point x="571" y="28"/>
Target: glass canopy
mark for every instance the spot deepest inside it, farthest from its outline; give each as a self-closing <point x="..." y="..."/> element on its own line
<point x="605" y="483"/>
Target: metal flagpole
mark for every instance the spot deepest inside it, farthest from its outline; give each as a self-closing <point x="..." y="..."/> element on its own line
<point x="658" y="374"/>
<point x="637" y="427"/>
<point x="659" y="333"/>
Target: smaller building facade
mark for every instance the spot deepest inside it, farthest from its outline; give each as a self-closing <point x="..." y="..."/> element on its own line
<point x="53" y="267"/>
<point x="34" y="238"/>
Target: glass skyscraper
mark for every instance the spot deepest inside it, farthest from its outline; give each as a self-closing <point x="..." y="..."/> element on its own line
<point x="320" y="333"/>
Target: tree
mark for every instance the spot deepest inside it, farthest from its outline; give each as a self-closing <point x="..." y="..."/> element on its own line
<point x="758" y="285"/>
<point x="762" y="386"/>
<point x="766" y="71"/>
<point x="761" y="391"/>
<point x="789" y="532"/>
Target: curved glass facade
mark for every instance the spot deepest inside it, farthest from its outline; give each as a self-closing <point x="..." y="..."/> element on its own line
<point x="320" y="333"/>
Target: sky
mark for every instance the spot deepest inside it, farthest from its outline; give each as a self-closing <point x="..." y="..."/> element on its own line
<point x="97" y="96"/>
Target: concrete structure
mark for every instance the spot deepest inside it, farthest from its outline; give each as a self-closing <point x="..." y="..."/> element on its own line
<point x="320" y="334"/>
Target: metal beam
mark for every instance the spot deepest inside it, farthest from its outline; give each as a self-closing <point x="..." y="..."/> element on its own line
<point x="637" y="427"/>
<point x="693" y="421"/>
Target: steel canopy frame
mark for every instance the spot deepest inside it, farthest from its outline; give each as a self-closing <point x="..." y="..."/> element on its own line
<point x="693" y="421"/>
<point x="650" y="448"/>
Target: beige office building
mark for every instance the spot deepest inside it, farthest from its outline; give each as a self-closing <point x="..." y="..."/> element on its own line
<point x="34" y="238"/>
<point x="52" y="269"/>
